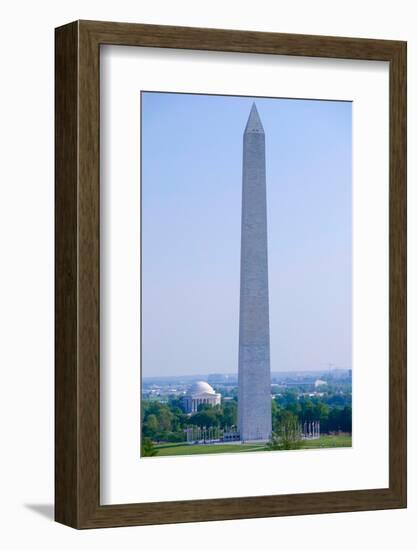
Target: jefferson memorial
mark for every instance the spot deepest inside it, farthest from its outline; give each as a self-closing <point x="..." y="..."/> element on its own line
<point x="200" y="393"/>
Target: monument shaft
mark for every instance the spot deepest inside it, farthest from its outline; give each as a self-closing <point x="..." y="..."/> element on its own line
<point x="254" y="398"/>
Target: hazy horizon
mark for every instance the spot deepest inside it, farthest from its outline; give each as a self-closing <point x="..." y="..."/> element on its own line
<point x="273" y="373"/>
<point x="191" y="222"/>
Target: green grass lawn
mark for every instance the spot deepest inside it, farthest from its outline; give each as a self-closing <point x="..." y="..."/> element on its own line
<point x="328" y="442"/>
<point x="175" y="449"/>
<point x="185" y="449"/>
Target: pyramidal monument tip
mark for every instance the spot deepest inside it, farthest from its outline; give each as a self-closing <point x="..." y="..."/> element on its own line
<point x="254" y="123"/>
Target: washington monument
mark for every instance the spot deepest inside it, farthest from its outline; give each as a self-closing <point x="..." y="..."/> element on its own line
<point x="254" y="398"/>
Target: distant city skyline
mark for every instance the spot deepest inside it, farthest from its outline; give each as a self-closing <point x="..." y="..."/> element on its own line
<point x="191" y="209"/>
<point x="233" y="375"/>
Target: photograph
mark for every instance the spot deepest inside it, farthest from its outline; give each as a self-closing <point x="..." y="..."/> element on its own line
<point x="246" y="274"/>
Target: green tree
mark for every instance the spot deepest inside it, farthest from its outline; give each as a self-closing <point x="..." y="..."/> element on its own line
<point x="307" y="410"/>
<point x="294" y="408"/>
<point x="165" y="419"/>
<point x="229" y="414"/>
<point x="151" y="426"/>
<point x="148" y="448"/>
<point x="287" y="435"/>
<point x="346" y="419"/>
<point x="321" y="411"/>
<point x="207" y="417"/>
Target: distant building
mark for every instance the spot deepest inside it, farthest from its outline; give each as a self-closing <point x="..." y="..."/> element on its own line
<point x="200" y="393"/>
<point x="319" y="383"/>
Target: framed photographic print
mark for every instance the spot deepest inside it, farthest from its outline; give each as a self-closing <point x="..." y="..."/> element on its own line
<point x="230" y="274"/>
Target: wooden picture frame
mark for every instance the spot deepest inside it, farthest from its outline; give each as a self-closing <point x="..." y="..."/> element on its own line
<point x="77" y="359"/>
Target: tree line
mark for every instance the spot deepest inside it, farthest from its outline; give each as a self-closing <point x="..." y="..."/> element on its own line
<point x="166" y="422"/>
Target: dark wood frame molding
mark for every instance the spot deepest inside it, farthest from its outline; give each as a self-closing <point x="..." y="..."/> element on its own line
<point x="77" y="360"/>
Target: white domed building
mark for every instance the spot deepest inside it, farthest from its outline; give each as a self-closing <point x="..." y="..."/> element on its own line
<point x="200" y="393"/>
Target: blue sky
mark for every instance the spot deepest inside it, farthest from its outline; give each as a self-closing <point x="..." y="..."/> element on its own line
<point x="191" y="213"/>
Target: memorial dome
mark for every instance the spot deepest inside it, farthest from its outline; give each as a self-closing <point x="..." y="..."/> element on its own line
<point x="200" y="393"/>
<point x="200" y="387"/>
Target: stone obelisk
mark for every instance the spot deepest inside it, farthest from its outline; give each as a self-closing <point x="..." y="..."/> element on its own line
<point x="254" y="398"/>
